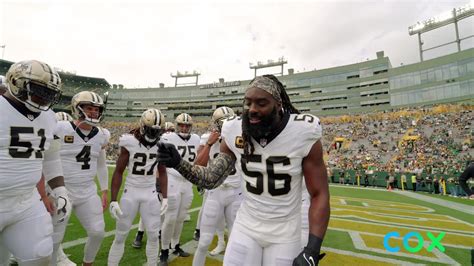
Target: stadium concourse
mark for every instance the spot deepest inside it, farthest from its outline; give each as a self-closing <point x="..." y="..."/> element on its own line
<point x="365" y="153"/>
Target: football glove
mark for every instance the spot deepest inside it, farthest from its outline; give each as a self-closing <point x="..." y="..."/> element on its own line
<point x="62" y="205"/>
<point x="115" y="210"/>
<point x="168" y="155"/>
<point x="310" y="255"/>
<point x="164" y="206"/>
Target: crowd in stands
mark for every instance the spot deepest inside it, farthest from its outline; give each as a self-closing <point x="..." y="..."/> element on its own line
<point x="433" y="144"/>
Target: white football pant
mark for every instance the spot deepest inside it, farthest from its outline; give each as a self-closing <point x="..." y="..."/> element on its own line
<point x="180" y="196"/>
<point x="26" y="231"/>
<point x="243" y="250"/>
<point x="222" y="202"/>
<point x="144" y="201"/>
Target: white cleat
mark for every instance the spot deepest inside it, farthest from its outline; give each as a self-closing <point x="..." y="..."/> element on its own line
<point x="218" y="250"/>
<point x="63" y="260"/>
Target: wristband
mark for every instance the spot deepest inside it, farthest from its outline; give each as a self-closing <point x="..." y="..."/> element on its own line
<point x="314" y="243"/>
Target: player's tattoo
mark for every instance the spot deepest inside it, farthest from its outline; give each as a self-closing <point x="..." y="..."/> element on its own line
<point x="207" y="177"/>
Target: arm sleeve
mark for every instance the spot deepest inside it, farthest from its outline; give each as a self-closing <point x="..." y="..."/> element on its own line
<point x="52" y="162"/>
<point x="102" y="172"/>
<point x="207" y="177"/>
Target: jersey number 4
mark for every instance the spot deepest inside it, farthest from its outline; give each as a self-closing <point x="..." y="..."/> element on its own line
<point x="272" y="176"/>
<point x="84" y="157"/>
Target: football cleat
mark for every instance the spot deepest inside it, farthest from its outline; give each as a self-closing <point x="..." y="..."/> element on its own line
<point x="178" y="251"/>
<point x="164" y="257"/>
<point x="197" y="234"/>
<point x="137" y="243"/>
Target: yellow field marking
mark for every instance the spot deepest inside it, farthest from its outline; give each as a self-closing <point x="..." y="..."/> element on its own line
<point x="386" y="204"/>
<point x="418" y="222"/>
<point x="339" y="259"/>
<point x="396" y="212"/>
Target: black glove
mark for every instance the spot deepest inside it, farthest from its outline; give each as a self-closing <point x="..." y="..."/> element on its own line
<point x="168" y="155"/>
<point x="310" y="254"/>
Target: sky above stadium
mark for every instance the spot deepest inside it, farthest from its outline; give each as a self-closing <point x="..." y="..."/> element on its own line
<point x="139" y="43"/>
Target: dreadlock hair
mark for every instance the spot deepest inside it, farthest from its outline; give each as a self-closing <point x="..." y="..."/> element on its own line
<point x="287" y="108"/>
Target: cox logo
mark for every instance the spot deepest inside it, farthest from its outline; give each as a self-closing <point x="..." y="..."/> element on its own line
<point x="435" y="242"/>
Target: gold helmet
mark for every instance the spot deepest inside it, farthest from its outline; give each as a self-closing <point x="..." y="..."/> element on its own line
<point x="35" y="84"/>
<point x="152" y="125"/>
<point x="221" y="114"/>
<point x="63" y="116"/>
<point x="87" y="98"/>
<point x="184" y="122"/>
<point x="169" y="127"/>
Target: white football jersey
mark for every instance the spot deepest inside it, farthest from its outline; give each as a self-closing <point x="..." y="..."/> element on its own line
<point x="272" y="176"/>
<point x="233" y="179"/>
<point x="23" y="139"/>
<point x="186" y="147"/>
<point x="79" y="155"/>
<point x="142" y="162"/>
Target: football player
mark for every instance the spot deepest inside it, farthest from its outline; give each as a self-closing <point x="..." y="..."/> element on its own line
<point x="63" y="116"/>
<point x="83" y="145"/>
<point x="262" y="145"/>
<point x="221" y="202"/>
<point x="180" y="191"/>
<point x="28" y="151"/>
<point x="169" y="127"/>
<point x="138" y="152"/>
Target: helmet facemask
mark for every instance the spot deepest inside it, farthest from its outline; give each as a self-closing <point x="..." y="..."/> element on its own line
<point x="83" y="115"/>
<point x="151" y="134"/>
<point x="184" y="134"/>
<point x="183" y="120"/>
<point x="35" y="96"/>
<point x="152" y="124"/>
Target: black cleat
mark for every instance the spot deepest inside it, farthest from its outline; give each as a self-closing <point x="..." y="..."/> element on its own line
<point x="137" y="243"/>
<point x="197" y="234"/>
<point x="164" y="257"/>
<point x="179" y="252"/>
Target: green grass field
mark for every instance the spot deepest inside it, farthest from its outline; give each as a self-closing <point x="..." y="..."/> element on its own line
<point x="360" y="218"/>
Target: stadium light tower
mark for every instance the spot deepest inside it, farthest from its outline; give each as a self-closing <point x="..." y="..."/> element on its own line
<point x="179" y="75"/>
<point x="270" y="63"/>
<point x="444" y="19"/>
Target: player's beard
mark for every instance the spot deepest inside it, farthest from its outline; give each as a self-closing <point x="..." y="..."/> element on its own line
<point x="261" y="130"/>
